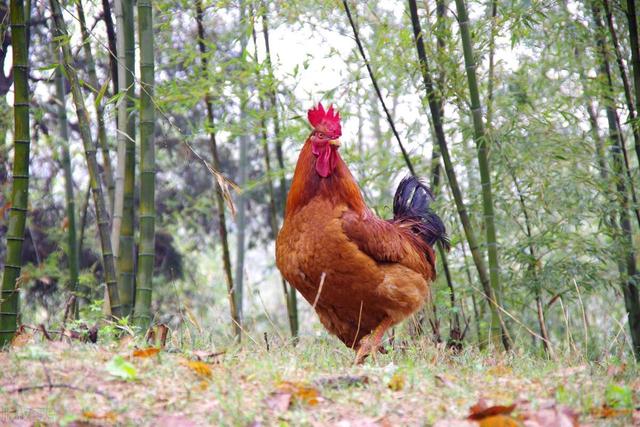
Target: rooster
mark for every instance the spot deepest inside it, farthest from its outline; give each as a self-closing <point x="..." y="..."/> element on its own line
<point x="361" y="274"/>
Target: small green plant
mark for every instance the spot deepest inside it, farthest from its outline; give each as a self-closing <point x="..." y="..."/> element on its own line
<point x="120" y="368"/>
<point x="618" y="396"/>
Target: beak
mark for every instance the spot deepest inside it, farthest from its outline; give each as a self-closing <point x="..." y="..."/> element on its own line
<point x="335" y="142"/>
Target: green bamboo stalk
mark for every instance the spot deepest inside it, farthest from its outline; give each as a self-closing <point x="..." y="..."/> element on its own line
<point x="498" y="327"/>
<point x="273" y="211"/>
<point x="126" y="122"/>
<point x="635" y="61"/>
<point x="290" y="291"/>
<point x="241" y="220"/>
<point x="111" y="40"/>
<point x="146" y="253"/>
<point x="107" y="175"/>
<point x="222" y="224"/>
<point x="9" y="294"/>
<point x="72" y="242"/>
<point x="627" y="265"/>
<point x="102" y="216"/>
<point x="481" y="140"/>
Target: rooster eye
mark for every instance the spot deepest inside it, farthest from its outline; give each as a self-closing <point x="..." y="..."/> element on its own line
<point x="321" y="135"/>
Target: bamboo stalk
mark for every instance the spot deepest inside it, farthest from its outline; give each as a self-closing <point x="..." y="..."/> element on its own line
<point x="222" y="225"/>
<point x="481" y="141"/>
<point x="72" y="242"/>
<point x="102" y="216"/>
<point x="627" y="265"/>
<point x="635" y="59"/>
<point x="125" y="180"/>
<point x="146" y="253"/>
<point x="498" y="327"/>
<point x="111" y="40"/>
<point x="290" y="291"/>
<point x="9" y="295"/>
<point x="241" y="218"/>
<point x="95" y="87"/>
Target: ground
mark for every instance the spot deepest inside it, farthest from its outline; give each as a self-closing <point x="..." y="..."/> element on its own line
<point x="313" y="383"/>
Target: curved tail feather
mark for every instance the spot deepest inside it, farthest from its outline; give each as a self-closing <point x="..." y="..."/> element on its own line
<point x="412" y="202"/>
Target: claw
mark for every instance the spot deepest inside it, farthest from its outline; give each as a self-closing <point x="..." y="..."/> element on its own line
<point x="370" y="344"/>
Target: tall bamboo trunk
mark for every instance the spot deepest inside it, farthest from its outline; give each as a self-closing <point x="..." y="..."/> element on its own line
<point x="627" y="266"/>
<point x="102" y="216"/>
<point x="273" y="210"/>
<point x="290" y="291"/>
<point x="72" y="241"/>
<point x="111" y="40"/>
<point x="9" y="294"/>
<point x="123" y="227"/>
<point x="242" y="172"/>
<point x="107" y="174"/>
<point x="222" y="224"/>
<point x="632" y="20"/>
<point x="498" y="327"/>
<point x="146" y="252"/>
<point x="481" y="141"/>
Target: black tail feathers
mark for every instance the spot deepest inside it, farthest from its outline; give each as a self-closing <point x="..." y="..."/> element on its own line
<point x="412" y="202"/>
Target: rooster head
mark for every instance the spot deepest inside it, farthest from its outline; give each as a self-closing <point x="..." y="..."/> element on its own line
<point x="324" y="138"/>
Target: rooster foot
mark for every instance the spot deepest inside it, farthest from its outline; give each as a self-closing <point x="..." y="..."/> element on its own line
<point x="370" y="344"/>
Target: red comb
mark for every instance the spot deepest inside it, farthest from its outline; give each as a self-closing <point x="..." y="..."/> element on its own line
<point x="327" y="121"/>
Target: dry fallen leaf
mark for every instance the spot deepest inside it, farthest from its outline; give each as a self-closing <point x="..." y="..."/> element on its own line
<point x="482" y="410"/>
<point x="278" y="401"/>
<point x="107" y="416"/>
<point x="397" y="381"/>
<point x="289" y="392"/>
<point x="499" y="421"/>
<point x="606" y="411"/>
<point x="145" y="352"/>
<point x="200" y="368"/>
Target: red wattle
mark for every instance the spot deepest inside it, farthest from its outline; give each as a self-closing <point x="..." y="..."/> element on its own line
<point x="327" y="160"/>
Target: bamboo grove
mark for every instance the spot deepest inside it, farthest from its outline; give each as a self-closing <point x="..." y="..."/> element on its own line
<point x="175" y="128"/>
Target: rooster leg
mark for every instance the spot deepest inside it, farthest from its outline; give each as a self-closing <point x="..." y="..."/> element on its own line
<point x="370" y="344"/>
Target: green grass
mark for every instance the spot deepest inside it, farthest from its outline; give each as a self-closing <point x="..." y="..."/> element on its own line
<point x="433" y="384"/>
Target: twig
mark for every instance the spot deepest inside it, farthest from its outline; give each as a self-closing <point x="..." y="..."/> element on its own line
<point x="50" y="386"/>
<point x="357" y="330"/>
<point x="315" y="301"/>
<point x="44" y="332"/>
<point x="377" y="89"/>
<point x="266" y="341"/>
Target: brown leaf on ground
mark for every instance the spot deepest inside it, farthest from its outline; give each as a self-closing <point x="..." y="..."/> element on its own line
<point x="482" y="410"/>
<point x="278" y="401"/>
<point x="146" y="352"/>
<point x="107" y="416"/>
<point x="605" y="411"/>
<point x="289" y="392"/>
<point x="200" y="368"/>
<point x="554" y="416"/>
<point x="499" y="421"/>
<point x="301" y="392"/>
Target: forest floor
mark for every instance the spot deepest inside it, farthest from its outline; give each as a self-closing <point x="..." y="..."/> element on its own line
<point x="314" y="383"/>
